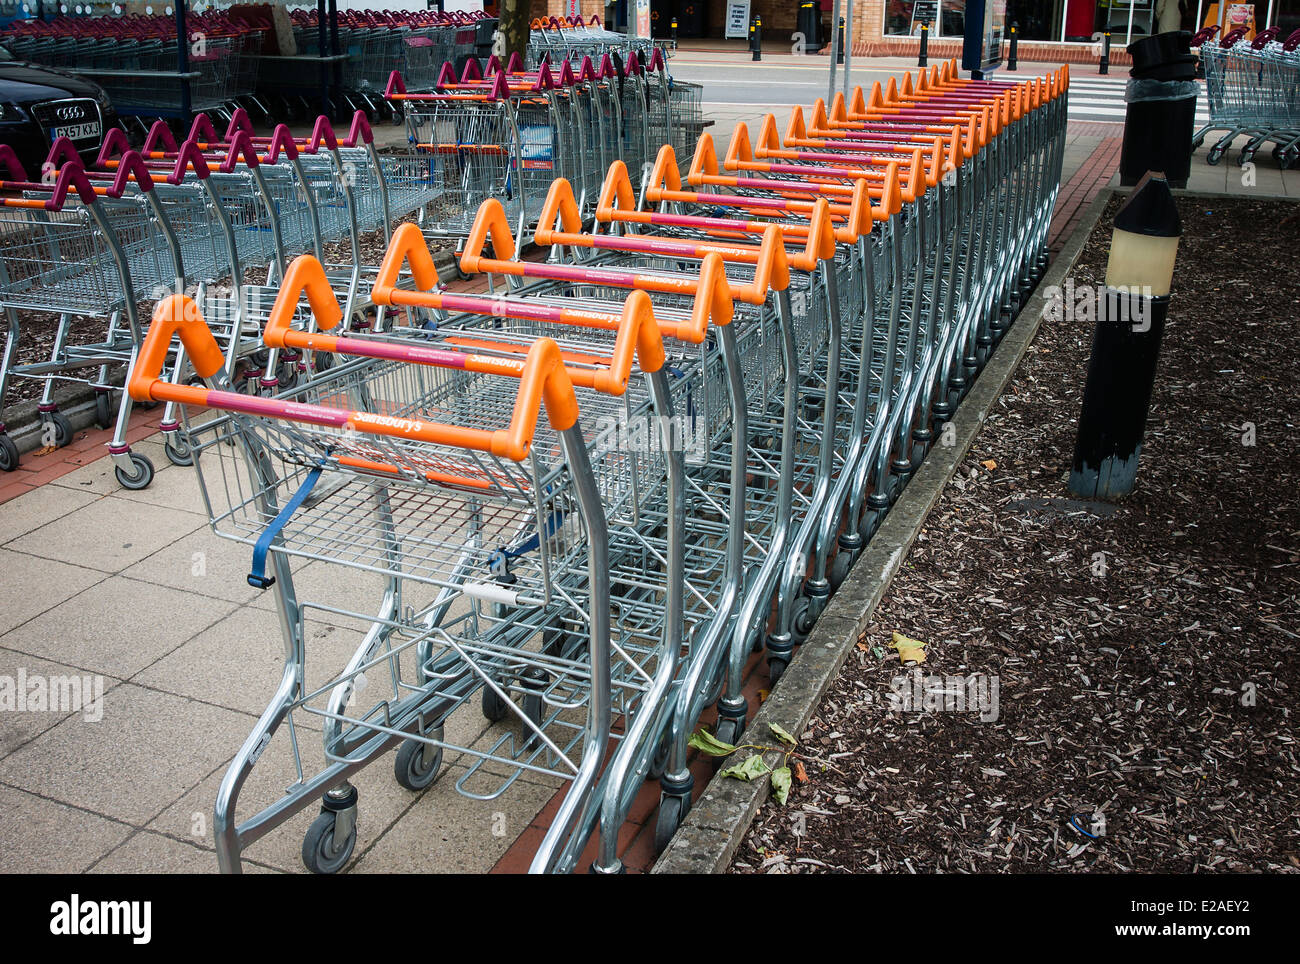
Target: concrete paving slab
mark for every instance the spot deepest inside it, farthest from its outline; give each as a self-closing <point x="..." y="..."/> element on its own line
<point x="105" y="535"/>
<point x="39" y="836"/>
<point x="37" y="507"/>
<point x="173" y="486"/>
<point x="156" y="854"/>
<point x="146" y="752"/>
<point x="23" y="671"/>
<point x="237" y="661"/>
<point x="454" y="834"/>
<point x="97" y="474"/>
<point x="118" y="626"/>
<point x="382" y="802"/>
<point x="33" y="585"/>
<point x="203" y="563"/>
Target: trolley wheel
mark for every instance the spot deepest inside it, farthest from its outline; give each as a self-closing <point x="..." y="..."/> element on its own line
<point x="776" y="668"/>
<point x="8" y="454"/>
<point x="1245" y="157"/>
<point x="672" y="810"/>
<point x="321" y="853"/>
<point x="459" y="273"/>
<point x="416" y="764"/>
<point x="871" y="520"/>
<point x="659" y="762"/>
<point x="103" y="409"/>
<point x="495" y="707"/>
<point x="534" y="706"/>
<point x="143" y="473"/>
<point x="801" y="620"/>
<point x="728" y="729"/>
<point x="287" y="374"/>
<point x="1288" y="158"/>
<point x="178" y="450"/>
<point x="840" y="569"/>
<point x="1214" y="155"/>
<point x="62" y="429"/>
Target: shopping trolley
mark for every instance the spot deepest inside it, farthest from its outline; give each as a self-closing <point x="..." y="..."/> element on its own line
<point x="509" y="523"/>
<point x="90" y="260"/>
<point x="1253" y="88"/>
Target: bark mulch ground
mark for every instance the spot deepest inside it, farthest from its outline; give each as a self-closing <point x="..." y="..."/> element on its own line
<point x="1145" y="653"/>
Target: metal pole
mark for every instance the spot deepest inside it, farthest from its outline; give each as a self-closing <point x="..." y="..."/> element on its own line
<point x="183" y="57"/>
<point x="923" y="58"/>
<point x="1268" y="17"/>
<point x="1129" y="38"/>
<point x="322" y="41"/>
<point x="1199" y="5"/>
<point x="848" y="45"/>
<point x="836" y="53"/>
<point x="337" y="71"/>
<point x="1104" y="66"/>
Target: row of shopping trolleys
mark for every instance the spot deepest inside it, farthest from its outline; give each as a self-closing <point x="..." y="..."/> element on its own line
<point x="226" y="213"/>
<point x="579" y="501"/>
<point x="1252" y="87"/>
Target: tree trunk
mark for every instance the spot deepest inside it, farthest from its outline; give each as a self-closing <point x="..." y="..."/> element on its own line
<point x="513" y="26"/>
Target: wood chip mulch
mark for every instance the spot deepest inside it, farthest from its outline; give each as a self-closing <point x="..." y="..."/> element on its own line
<point x="1145" y="652"/>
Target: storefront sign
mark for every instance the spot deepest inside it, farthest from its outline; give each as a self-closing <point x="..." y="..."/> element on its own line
<point x="925" y="11"/>
<point x="737" y="20"/>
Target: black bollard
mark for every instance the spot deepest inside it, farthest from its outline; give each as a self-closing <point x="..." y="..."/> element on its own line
<point x="924" y="57"/>
<point x="673" y="27"/>
<point x="1130" y="323"/>
<point x="1104" y="66"/>
<point x="756" y="38"/>
<point x="1011" y="55"/>
<point x="839" y="56"/>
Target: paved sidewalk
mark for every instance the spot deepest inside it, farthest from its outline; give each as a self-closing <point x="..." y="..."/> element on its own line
<point x="134" y="587"/>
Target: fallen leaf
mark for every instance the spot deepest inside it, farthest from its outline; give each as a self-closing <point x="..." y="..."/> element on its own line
<point x="752" y="768"/>
<point x="763" y="695"/>
<point x="800" y="773"/>
<point x="706" y="742"/>
<point x="909" y="650"/>
<point x="782" y="734"/>
<point x="989" y="464"/>
<point x="781" y="784"/>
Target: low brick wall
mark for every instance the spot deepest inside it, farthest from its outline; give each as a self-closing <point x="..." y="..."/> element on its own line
<point x="1027" y="51"/>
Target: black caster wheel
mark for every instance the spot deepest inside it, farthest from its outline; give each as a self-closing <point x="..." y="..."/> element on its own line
<point x="417" y="763"/>
<point x="1214" y="156"/>
<point x="103" y="409"/>
<point x="495" y="707"/>
<point x="919" y="448"/>
<point x="871" y="520"/>
<point x="776" y="666"/>
<point x="459" y="273"/>
<point x="533" y="705"/>
<point x="321" y="853"/>
<point x="62" y="429"/>
<point x="672" y="811"/>
<point x="801" y="620"/>
<point x="141" y="478"/>
<point x="8" y="454"/>
<point x="287" y="373"/>
<point x="729" y="729"/>
<point x="839" y="570"/>
<point x="178" y="450"/>
<point x="659" y="762"/>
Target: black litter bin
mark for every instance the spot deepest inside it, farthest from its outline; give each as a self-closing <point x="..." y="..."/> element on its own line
<point x="1161" y="109"/>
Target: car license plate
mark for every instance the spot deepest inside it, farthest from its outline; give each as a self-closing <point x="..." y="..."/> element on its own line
<point x="76" y="132"/>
